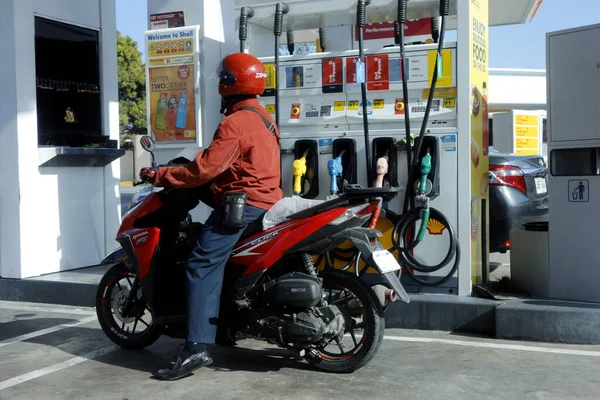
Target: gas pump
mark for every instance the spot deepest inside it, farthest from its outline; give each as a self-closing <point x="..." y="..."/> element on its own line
<point x="359" y="105"/>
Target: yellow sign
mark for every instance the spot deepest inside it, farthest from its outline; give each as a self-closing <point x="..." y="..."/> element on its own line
<point x="527" y="152"/>
<point x="449" y="103"/>
<point x="378" y="104"/>
<point x="441" y="93"/>
<point x="339" y="106"/>
<point x="270" y="108"/>
<point x="271" y="76"/>
<point x="527" y="131"/>
<point x="445" y="79"/>
<point x="478" y="62"/>
<point x="531" y="120"/>
<point x="527" y="143"/>
<point x="352" y="105"/>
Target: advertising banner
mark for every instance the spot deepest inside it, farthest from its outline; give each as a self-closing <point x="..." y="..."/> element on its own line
<point x="172" y="85"/>
<point x="478" y="44"/>
<point x="167" y="20"/>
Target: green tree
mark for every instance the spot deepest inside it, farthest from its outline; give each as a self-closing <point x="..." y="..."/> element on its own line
<point x="132" y="86"/>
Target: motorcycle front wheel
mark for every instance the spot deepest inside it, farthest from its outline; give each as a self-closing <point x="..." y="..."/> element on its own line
<point x="134" y="331"/>
<point x="362" y="340"/>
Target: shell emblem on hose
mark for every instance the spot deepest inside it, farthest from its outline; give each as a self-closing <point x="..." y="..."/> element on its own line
<point x="435" y="227"/>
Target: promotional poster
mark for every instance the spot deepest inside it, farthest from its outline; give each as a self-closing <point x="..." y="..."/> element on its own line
<point x="171" y="91"/>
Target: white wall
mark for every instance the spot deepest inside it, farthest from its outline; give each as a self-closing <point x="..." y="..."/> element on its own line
<point x="66" y="216"/>
<point x="523" y="89"/>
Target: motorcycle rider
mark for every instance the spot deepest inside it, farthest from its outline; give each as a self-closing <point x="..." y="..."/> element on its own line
<point x="243" y="157"/>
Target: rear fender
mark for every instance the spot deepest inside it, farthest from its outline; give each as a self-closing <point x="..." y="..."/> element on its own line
<point x="365" y="240"/>
<point x="140" y="246"/>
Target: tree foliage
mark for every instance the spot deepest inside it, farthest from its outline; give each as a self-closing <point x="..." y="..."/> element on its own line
<point x="132" y="86"/>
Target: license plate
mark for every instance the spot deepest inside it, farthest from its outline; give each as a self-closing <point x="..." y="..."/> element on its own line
<point x="385" y="261"/>
<point x="540" y="186"/>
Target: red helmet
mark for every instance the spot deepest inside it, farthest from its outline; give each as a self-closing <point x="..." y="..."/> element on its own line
<point x="241" y="73"/>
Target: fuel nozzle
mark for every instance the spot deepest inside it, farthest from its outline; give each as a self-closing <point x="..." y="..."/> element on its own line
<point x="299" y="167"/>
<point x="335" y="168"/>
<point x="421" y="195"/>
<point x="425" y="170"/>
<point x="381" y="170"/>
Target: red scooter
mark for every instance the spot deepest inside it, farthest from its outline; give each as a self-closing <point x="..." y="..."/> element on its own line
<point x="272" y="290"/>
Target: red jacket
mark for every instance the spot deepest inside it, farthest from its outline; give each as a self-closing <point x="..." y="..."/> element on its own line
<point x="244" y="155"/>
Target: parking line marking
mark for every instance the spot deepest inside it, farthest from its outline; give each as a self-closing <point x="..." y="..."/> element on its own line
<point x="500" y="346"/>
<point x="46" y="331"/>
<point x="56" y="367"/>
<point x="17" y="307"/>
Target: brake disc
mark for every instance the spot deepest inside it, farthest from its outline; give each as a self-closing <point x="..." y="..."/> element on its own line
<point x="118" y="304"/>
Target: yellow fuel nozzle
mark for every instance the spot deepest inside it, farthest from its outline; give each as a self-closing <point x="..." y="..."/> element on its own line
<point x="299" y="166"/>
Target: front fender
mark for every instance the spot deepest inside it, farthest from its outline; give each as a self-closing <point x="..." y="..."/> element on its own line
<point x="116" y="256"/>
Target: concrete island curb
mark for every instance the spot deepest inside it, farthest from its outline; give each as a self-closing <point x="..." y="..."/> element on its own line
<point x="526" y="319"/>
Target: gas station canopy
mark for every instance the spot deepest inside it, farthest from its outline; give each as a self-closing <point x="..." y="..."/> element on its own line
<point x="329" y="13"/>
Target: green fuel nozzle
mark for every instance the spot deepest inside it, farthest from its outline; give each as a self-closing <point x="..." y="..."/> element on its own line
<point x="425" y="170"/>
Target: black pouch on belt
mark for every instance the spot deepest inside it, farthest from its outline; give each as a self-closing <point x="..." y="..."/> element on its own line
<point x="234" y="209"/>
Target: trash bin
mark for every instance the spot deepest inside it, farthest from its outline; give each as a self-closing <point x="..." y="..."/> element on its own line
<point x="529" y="259"/>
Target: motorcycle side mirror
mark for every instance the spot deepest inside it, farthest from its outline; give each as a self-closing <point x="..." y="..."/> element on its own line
<point x="147" y="143"/>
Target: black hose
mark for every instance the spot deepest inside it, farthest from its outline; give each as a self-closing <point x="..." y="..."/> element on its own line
<point x="323" y="39"/>
<point x="435" y="29"/>
<point x="290" y="41"/>
<point x="361" y="11"/>
<point x="402" y="13"/>
<point x="396" y="33"/>
<point x="415" y="167"/>
<point x="280" y="10"/>
<point x="245" y="14"/>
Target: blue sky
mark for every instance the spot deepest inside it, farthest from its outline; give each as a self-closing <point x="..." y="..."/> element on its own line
<point x="516" y="46"/>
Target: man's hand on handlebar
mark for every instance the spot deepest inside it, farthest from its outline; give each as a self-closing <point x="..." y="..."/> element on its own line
<point x="148" y="174"/>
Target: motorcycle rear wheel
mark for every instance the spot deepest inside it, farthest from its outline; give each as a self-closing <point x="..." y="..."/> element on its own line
<point x="373" y="326"/>
<point x="115" y="328"/>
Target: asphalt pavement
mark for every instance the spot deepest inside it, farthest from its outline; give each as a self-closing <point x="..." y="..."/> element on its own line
<point x="57" y="352"/>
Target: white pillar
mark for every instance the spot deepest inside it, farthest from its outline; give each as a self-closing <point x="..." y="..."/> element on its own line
<point x="10" y="240"/>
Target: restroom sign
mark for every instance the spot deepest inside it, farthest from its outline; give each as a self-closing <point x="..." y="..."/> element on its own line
<point x="378" y="72"/>
<point x="579" y="191"/>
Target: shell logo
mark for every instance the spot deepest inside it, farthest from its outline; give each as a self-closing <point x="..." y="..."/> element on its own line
<point x="435" y="227"/>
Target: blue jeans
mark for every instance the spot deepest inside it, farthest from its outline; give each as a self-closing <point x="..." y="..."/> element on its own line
<point x="204" y="274"/>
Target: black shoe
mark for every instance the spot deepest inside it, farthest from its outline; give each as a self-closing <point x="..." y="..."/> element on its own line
<point x="188" y="360"/>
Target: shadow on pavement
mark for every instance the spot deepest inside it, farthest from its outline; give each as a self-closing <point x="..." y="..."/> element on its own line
<point x="19" y="326"/>
<point x="81" y="340"/>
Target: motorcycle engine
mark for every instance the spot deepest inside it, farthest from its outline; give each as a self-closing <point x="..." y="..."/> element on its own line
<point x="286" y="311"/>
<point x="303" y="328"/>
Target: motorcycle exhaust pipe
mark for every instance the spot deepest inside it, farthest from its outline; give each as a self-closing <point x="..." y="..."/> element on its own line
<point x="384" y="294"/>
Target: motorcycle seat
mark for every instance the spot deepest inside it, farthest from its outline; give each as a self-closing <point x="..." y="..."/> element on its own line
<point x="253" y="228"/>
